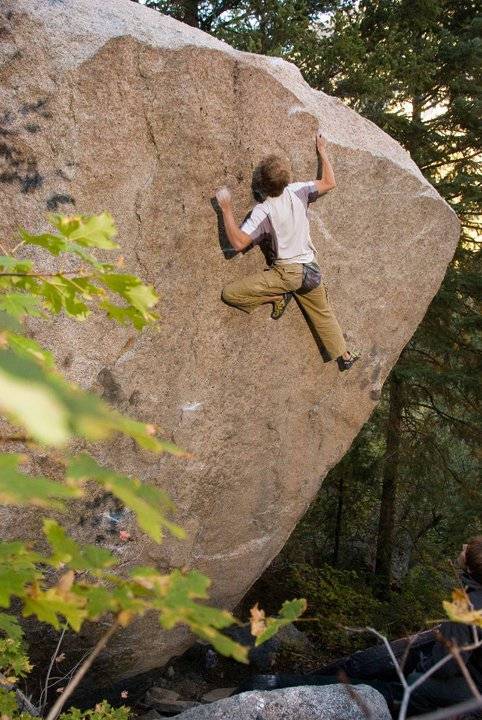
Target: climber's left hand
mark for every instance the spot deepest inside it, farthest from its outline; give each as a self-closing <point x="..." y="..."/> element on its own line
<point x="223" y="196"/>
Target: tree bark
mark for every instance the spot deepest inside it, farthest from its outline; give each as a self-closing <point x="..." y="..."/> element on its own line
<point x="190" y="12"/>
<point x="338" y="521"/>
<point x="386" y="524"/>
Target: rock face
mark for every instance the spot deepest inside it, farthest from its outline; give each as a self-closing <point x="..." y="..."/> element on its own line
<point x="112" y="106"/>
<point x="331" y="702"/>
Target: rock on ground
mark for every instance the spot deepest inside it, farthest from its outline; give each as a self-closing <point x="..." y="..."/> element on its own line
<point x="112" y="106"/>
<point x="332" y="702"/>
<point x="164" y="700"/>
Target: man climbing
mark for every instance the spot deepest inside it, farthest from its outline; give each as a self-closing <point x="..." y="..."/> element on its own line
<point x="280" y="221"/>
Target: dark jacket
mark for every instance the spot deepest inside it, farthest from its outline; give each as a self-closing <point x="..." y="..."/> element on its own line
<point x="461" y="635"/>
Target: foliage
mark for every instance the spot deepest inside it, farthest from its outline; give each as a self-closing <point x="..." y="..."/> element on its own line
<point x="30" y="386"/>
<point x="339" y="598"/>
<point x="102" y="711"/>
<point x="264" y="628"/>
<point x="71" y="583"/>
<point x="13" y="661"/>
<point x="460" y="609"/>
<point x="9" y="707"/>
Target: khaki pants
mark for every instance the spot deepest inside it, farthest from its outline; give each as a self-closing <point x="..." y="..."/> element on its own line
<point x="266" y="286"/>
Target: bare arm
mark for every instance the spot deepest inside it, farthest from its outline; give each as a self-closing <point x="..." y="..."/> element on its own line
<point x="237" y="238"/>
<point x="325" y="176"/>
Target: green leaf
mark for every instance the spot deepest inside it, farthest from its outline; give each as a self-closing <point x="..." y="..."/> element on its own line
<point x="222" y="643"/>
<point x="89" y="231"/>
<point x="8" y="703"/>
<point x="123" y="314"/>
<point x="290" y="611"/>
<point x="176" y="594"/>
<point x="7" y="322"/>
<point x="99" y="600"/>
<point x="17" y="570"/>
<point x="68" y="552"/>
<point x="14" y="662"/>
<point x="8" y="263"/>
<point x="138" y="431"/>
<point x="18" y="305"/>
<point x="54" y="244"/>
<point x="10" y="626"/>
<point x="51" y="606"/>
<point x="29" y="393"/>
<point x="63" y="294"/>
<point x="148" y="503"/>
<point x="16" y="488"/>
<point x="131" y="288"/>
<point x="13" y="582"/>
<point x="25" y="396"/>
<point x="27" y="347"/>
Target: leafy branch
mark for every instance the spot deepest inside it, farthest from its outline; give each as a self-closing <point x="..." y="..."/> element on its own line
<point x="52" y="412"/>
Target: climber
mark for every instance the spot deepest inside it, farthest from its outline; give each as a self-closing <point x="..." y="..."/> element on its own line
<point x="280" y="220"/>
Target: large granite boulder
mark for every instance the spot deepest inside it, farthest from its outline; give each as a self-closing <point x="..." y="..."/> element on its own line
<point x="331" y="702"/>
<point x="112" y="106"/>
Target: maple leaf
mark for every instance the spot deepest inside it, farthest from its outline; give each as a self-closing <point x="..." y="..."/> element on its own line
<point x="124" y="535"/>
<point x="461" y="609"/>
<point x="124" y="618"/>
<point x="257" y="621"/>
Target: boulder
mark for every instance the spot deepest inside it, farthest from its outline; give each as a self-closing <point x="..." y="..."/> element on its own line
<point x="112" y="106"/>
<point x="331" y="702"/>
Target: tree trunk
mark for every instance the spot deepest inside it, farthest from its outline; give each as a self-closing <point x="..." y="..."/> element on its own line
<point x="190" y="12"/>
<point x="338" y="521"/>
<point x="386" y="524"/>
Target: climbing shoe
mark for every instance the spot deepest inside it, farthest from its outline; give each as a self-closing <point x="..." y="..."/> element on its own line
<point x="346" y="364"/>
<point x="279" y="306"/>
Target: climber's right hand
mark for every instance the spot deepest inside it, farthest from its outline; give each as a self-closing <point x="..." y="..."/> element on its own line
<point x="223" y="196"/>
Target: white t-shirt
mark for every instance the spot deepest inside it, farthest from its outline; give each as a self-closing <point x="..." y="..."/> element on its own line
<point x="283" y="220"/>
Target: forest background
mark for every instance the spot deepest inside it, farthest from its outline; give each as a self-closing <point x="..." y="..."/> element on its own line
<point x="377" y="545"/>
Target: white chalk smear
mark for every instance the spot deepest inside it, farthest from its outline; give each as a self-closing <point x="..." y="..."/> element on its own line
<point x="295" y="109"/>
<point x="191" y="407"/>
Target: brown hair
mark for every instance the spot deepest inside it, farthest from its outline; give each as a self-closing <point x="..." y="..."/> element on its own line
<point x="274" y="174"/>
<point x="473" y="558"/>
